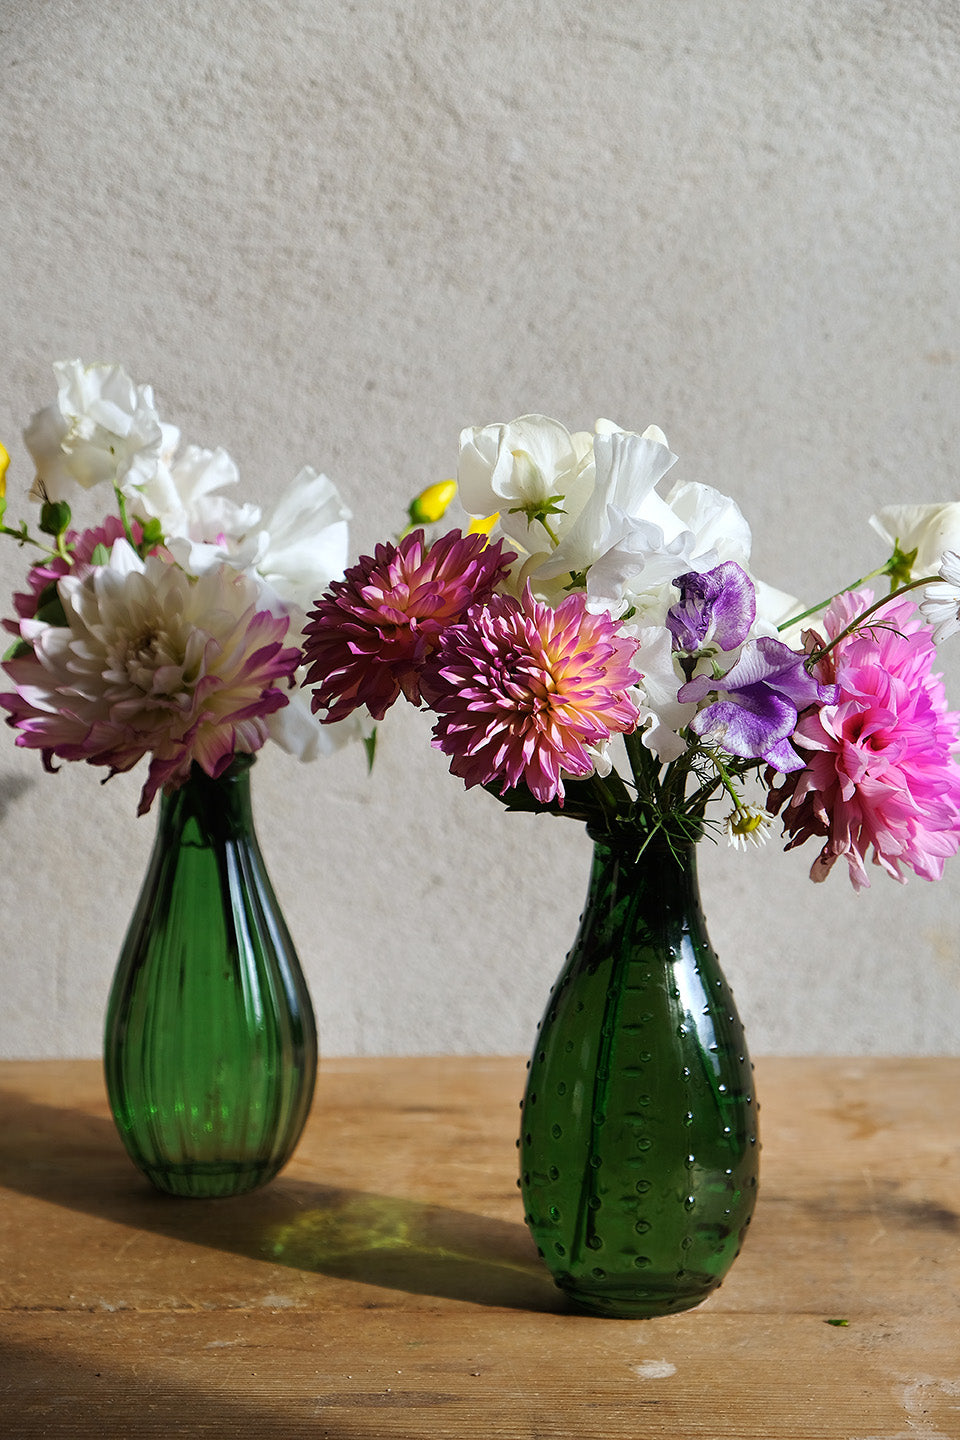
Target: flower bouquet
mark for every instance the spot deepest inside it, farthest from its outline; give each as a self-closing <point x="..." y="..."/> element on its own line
<point x="594" y="649"/>
<point x="171" y="628"/>
<point x="169" y="631"/>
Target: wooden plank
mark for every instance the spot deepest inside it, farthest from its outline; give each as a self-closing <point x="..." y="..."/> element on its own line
<point x="394" y="1372"/>
<point x="385" y="1285"/>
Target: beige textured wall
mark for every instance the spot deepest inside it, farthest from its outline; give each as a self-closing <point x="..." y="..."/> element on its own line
<point x="335" y="234"/>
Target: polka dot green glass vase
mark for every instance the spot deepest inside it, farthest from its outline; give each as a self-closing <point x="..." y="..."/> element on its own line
<point x="210" y="1050"/>
<point x="639" y="1149"/>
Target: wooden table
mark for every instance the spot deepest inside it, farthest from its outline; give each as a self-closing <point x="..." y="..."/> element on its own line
<point x="385" y="1285"/>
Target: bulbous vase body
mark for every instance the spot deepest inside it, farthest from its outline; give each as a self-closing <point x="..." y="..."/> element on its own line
<point x="210" y="1048"/>
<point x="639" y="1145"/>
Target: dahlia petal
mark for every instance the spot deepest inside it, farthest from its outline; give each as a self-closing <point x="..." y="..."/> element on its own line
<point x="549" y="679"/>
<point x="881" y="777"/>
<point x="150" y="661"/>
<point x="369" y="638"/>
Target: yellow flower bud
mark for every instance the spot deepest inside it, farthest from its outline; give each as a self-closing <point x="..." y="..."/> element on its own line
<point x="4" y="462"/>
<point x="431" y="504"/>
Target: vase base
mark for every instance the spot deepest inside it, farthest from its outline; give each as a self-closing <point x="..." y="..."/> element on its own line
<point x="208" y="1181"/>
<point x="638" y="1302"/>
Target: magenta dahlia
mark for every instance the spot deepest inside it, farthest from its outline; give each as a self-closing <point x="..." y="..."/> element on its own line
<point x="524" y="691"/>
<point x="368" y="639"/>
<point x="880" y="771"/>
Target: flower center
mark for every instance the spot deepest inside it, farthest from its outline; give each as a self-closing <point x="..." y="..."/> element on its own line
<point x="147" y="662"/>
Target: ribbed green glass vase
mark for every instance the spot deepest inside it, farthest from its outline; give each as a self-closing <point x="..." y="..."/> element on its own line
<point x="210" y="1049"/>
<point x="639" y="1148"/>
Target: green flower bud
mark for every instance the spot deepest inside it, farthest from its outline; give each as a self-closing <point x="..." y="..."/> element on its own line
<point x="54" y="517"/>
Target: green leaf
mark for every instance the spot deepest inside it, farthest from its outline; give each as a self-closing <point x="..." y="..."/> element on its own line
<point x="17" y="650"/>
<point x="579" y="802"/>
<point x="50" y="607"/>
<point x="370" y="746"/>
<point x="578" y="580"/>
<point x="540" y="509"/>
<point x="152" y="532"/>
<point x="100" y="554"/>
<point x="900" y="566"/>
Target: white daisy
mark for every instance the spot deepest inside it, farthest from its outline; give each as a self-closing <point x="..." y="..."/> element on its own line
<point x="748" y="826"/>
<point x="941" y="600"/>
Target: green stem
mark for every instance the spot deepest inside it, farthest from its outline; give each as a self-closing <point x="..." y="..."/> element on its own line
<point x="857" y="622"/>
<point x="605" y="799"/>
<point x="727" y="783"/>
<point x="645" y="768"/>
<point x="614" y="787"/>
<point x="124" y="518"/>
<point x="697" y="803"/>
<point x="815" y="609"/>
<point x="56" y="552"/>
<point x="554" y="537"/>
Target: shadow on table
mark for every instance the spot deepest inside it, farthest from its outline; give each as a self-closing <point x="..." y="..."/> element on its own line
<point x="71" y="1389"/>
<point x="74" y="1159"/>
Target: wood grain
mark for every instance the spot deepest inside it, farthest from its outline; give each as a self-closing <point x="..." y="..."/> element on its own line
<point x="385" y="1286"/>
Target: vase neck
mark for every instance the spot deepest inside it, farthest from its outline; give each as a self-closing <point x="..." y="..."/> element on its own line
<point x="645" y="852"/>
<point x="219" y="806"/>
<point x="656" y="868"/>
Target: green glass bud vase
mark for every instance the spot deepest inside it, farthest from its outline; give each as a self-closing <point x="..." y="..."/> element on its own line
<point x="639" y="1148"/>
<point x="210" y="1049"/>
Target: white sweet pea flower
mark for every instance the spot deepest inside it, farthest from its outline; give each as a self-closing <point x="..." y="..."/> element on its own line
<point x="54" y="478"/>
<point x="928" y="529"/>
<point x="299" y="732"/>
<point x="183" y="496"/>
<point x="627" y="470"/>
<point x="601" y="757"/>
<point x="637" y="556"/>
<point x="629" y="543"/>
<point x="717" y="522"/>
<point x="102" y="428"/>
<point x="307" y="540"/>
<point x="625" y="530"/>
<point x="609" y="427"/>
<point x="722" y="533"/>
<point x="529" y="471"/>
<point x="203" y="527"/>
<point x="661" y="713"/>
<point x="293" y="553"/>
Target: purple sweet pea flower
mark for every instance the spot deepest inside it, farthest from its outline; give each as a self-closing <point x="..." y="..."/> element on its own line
<point x="717" y="607"/>
<point x="765" y="690"/>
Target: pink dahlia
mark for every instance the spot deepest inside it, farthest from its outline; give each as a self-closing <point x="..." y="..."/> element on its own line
<point x="880" y="771"/>
<point x="525" y="690"/>
<point x="153" y="662"/>
<point x="368" y="639"/>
